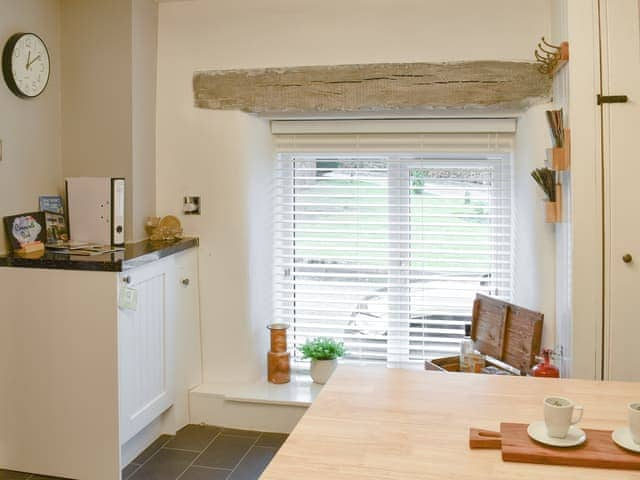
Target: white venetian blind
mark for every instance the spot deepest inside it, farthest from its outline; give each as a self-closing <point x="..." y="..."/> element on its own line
<point x="383" y="239"/>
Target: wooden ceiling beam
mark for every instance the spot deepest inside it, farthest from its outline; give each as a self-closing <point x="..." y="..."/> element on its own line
<point x="373" y="87"/>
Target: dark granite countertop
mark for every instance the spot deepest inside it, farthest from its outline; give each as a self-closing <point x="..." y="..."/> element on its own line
<point x="134" y="255"/>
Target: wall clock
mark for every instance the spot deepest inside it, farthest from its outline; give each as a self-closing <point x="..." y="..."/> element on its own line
<point x="25" y="65"/>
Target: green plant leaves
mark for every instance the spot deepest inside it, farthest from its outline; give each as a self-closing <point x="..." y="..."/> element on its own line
<point x="322" y="348"/>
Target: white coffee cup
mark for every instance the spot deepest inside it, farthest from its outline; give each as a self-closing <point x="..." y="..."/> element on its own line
<point x="634" y="421"/>
<point x="558" y="415"/>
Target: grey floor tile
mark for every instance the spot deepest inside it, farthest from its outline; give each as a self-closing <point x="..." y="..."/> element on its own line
<point x="11" y="475"/>
<point x="253" y="464"/>
<point x="204" y="473"/>
<point x="232" y="454"/>
<point x="272" y="440"/>
<point x="193" y="437"/>
<point x="128" y="470"/>
<point x="165" y="465"/>
<point x="242" y="433"/>
<point x="225" y="451"/>
<point x="151" y="449"/>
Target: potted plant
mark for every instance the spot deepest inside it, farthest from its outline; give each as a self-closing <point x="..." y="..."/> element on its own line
<point x="324" y="354"/>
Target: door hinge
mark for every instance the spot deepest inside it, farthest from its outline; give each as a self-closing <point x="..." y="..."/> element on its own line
<point x="611" y="99"/>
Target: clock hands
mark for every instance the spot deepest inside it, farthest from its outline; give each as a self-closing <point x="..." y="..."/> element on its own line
<point x="29" y="63"/>
<point x="28" y="58"/>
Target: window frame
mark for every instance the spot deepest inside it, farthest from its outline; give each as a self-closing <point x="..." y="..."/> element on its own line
<point x="399" y="336"/>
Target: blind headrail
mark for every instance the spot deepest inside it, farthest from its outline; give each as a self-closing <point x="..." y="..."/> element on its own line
<point x="399" y="126"/>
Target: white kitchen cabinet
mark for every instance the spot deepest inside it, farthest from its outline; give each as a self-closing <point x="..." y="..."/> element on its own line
<point x="95" y="378"/>
<point x="145" y="346"/>
<point x="188" y="354"/>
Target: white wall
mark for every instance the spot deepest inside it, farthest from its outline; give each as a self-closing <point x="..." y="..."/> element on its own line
<point x="579" y="293"/>
<point x="144" y="49"/>
<point x="211" y="152"/>
<point x="535" y="248"/>
<point x="259" y="157"/>
<point x="584" y="283"/>
<point x="108" y="98"/>
<point x="96" y="91"/>
<point x="30" y="129"/>
<point x="564" y="241"/>
<point x="254" y="33"/>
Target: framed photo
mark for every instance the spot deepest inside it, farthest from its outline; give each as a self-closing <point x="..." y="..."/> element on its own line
<point x="56" y="227"/>
<point x="51" y="203"/>
<point x="25" y="229"/>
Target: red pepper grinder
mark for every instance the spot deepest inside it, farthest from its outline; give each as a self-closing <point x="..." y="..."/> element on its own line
<point x="545" y="368"/>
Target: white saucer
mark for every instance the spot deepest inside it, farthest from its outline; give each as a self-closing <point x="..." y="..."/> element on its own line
<point x="622" y="437"/>
<point x="538" y="431"/>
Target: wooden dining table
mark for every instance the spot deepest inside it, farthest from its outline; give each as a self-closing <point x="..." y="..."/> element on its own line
<point x="379" y="423"/>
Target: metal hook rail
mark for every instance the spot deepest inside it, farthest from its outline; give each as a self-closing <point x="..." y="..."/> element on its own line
<point x="551" y="57"/>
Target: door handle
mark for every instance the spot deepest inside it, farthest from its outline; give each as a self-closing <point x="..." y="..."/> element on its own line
<point x="600" y="99"/>
<point x="627" y="258"/>
<point x="185" y="282"/>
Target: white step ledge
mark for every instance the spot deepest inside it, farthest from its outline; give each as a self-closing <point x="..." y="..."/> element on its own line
<point x="300" y="392"/>
<point x="253" y="406"/>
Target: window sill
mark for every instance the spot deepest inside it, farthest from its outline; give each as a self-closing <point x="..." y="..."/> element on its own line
<point x="299" y="392"/>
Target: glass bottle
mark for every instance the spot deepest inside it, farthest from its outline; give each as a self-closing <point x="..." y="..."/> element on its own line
<point x="466" y="348"/>
<point x="545" y="368"/>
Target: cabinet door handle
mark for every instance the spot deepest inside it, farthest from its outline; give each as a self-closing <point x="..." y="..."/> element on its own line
<point x="627" y="258"/>
<point x="185" y="282"/>
<point x="126" y="279"/>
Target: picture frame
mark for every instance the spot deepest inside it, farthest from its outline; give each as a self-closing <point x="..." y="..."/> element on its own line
<point x="56" y="228"/>
<point x="51" y="203"/>
<point x="25" y="230"/>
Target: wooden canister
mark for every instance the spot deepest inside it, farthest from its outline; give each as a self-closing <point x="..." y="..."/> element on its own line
<point x="551" y="212"/>
<point x="278" y="359"/>
<point x="278" y="337"/>
<point x="279" y="367"/>
<point x="559" y="160"/>
<point x="554" y="209"/>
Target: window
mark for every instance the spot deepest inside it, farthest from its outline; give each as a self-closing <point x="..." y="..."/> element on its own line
<point x="387" y="251"/>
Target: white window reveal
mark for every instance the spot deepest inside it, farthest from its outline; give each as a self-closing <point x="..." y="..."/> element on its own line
<point x="383" y="239"/>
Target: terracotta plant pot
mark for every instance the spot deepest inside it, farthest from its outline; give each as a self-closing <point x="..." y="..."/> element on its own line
<point x="321" y="370"/>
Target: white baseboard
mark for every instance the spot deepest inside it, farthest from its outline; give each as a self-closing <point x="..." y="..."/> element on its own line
<point x="141" y="440"/>
<point x="253" y="406"/>
<point x="215" y="409"/>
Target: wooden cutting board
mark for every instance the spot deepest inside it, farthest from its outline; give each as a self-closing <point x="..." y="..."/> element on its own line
<point x="599" y="451"/>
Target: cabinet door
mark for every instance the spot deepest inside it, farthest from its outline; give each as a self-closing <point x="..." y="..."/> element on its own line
<point x="621" y="76"/>
<point x="144" y="348"/>
<point x="188" y="318"/>
<point x="188" y="364"/>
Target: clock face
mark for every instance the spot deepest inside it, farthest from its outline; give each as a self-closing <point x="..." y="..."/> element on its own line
<point x="25" y="63"/>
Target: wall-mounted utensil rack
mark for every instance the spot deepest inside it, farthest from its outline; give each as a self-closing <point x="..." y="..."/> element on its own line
<point x="553" y="210"/>
<point x="559" y="158"/>
<point x="547" y="180"/>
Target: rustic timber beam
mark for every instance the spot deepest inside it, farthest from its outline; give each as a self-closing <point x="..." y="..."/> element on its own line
<point x="373" y="87"/>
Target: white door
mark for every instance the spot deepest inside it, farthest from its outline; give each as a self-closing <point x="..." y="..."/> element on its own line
<point x="144" y="347"/>
<point x="620" y="20"/>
